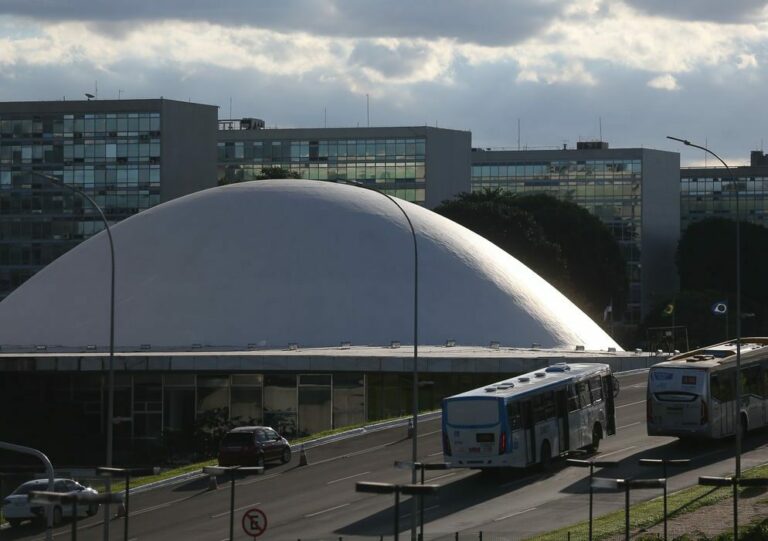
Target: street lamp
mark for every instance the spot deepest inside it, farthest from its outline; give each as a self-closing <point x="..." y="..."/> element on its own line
<point x="231" y="470"/>
<point x="591" y="464"/>
<point x="737" y="412"/>
<point x="111" y="378"/>
<point x="73" y="498"/>
<point x="415" y="418"/>
<point x="389" y="488"/>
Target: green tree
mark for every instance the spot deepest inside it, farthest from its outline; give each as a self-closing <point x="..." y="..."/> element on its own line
<point x="265" y="173"/>
<point x="559" y="240"/>
<point x="492" y="214"/>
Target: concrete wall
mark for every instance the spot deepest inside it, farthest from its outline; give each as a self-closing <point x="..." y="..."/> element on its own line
<point x="188" y="148"/>
<point x="448" y="165"/>
<point x="661" y="226"/>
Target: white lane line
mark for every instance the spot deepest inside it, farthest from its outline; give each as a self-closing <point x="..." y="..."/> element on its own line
<point x="326" y="510"/>
<point x="436" y="454"/>
<point x="514" y="514"/>
<point x="442" y="476"/>
<point x="345" y="478"/>
<point x="630" y="404"/>
<point x="238" y="509"/>
<point x="637" y="386"/>
<point x="430" y="433"/>
<point x="617" y="452"/>
<point x="425" y="510"/>
<point x="627" y="426"/>
<point x="259" y="479"/>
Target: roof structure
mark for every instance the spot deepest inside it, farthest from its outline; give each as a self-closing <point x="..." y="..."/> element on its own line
<point x="269" y="263"/>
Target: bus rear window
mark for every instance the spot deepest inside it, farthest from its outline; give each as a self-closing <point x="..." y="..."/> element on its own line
<point x="689" y="380"/>
<point x="472" y="412"/>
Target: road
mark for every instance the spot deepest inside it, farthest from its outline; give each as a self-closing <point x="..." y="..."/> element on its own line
<point x="319" y="500"/>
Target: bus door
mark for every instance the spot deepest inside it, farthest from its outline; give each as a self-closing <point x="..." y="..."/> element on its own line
<point x="752" y="393"/>
<point x="722" y="387"/>
<point x="574" y="418"/>
<point x="610" y="412"/>
<point x="529" y="431"/>
<point x="561" y="408"/>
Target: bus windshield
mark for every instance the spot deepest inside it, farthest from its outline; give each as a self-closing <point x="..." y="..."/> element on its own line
<point x="472" y="412"/>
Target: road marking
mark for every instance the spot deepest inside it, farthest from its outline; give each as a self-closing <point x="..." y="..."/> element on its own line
<point x="425" y="510"/>
<point x="627" y="426"/>
<point x="349" y="477"/>
<point x="430" y="433"/>
<point x="617" y="452"/>
<point x="260" y="479"/>
<point x="441" y="476"/>
<point x="326" y="510"/>
<point x="630" y="404"/>
<point x="637" y="385"/>
<point x="238" y="509"/>
<point x="514" y="514"/>
<point x="436" y="454"/>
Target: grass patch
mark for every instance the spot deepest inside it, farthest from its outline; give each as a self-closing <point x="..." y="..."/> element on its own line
<point x="651" y="512"/>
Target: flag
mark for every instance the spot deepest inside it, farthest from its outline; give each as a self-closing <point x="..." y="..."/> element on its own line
<point x="720" y="308"/>
<point x="608" y="310"/>
<point x="668" y="309"/>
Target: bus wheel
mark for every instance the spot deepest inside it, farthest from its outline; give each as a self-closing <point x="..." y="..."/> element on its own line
<point x="545" y="459"/>
<point x="597" y="435"/>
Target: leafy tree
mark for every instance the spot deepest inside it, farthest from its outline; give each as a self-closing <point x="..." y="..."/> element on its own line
<point x="493" y="214"/>
<point x="559" y="240"/>
<point x="265" y="173"/>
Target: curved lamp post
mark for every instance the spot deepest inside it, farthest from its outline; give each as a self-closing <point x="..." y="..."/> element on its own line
<point x="111" y="377"/>
<point x="415" y="419"/>
<point x="737" y="412"/>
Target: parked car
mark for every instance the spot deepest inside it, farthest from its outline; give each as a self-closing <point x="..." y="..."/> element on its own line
<point x="17" y="508"/>
<point x="253" y="446"/>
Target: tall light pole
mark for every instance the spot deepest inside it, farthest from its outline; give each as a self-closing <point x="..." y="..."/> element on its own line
<point x="415" y="418"/>
<point x="737" y="412"/>
<point x="111" y="375"/>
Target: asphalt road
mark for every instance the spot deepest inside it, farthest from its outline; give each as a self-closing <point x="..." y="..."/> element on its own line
<point x="319" y="500"/>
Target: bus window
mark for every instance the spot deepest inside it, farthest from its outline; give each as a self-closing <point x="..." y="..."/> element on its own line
<point x="537" y="403"/>
<point x="549" y="404"/>
<point x="596" y="389"/>
<point x="573" y="398"/>
<point x="583" y="390"/>
<point x="751" y="382"/>
<point x="723" y="385"/>
<point x="513" y="415"/>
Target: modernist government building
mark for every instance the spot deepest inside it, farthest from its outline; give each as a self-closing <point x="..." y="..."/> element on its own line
<point x="292" y="302"/>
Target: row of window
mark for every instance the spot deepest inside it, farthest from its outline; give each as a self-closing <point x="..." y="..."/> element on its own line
<point x="611" y="169"/>
<point x="545" y="405"/>
<point x="67" y="125"/>
<point x="330" y="150"/>
<point x="98" y="151"/>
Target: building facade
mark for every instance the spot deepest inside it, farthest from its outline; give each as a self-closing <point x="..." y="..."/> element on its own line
<point x="420" y="164"/>
<point x="710" y="192"/>
<point x="635" y="192"/>
<point x="128" y="155"/>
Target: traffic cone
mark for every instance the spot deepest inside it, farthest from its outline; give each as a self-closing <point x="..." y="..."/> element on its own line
<point x="303" y="461"/>
<point x="212" y="483"/>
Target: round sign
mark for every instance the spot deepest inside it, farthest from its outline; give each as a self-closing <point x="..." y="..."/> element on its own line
<point x="254" y="522"/>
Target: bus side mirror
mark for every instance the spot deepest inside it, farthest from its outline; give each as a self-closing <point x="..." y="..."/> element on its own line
<point x="616" y="385"/>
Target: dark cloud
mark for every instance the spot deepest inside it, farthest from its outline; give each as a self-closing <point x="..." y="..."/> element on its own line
<point x="721" y="11"/>
<point x="489" y="22"/>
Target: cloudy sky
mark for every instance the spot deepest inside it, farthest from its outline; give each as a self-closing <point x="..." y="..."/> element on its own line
<point x="640" y="69"/>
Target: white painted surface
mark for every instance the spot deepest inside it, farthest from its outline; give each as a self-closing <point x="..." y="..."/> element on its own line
<point x="274" y="262"/>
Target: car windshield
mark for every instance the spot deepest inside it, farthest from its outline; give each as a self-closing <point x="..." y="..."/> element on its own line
<point x="238" y="438"/>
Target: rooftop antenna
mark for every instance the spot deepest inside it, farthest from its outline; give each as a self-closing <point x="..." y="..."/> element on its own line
<point x="119" y="93"/>
<point x="368" y="110"/>
<point x="230" y="107"/>
<point x="518" y="134"/>
<point x="89" y="96"/>
<point x="706" y="145"/>
<point x="325" y="117"/>
<point x="600" y="120"/>
<point x="96" y="89"/>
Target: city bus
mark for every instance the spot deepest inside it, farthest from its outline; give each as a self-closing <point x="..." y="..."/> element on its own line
<point x="693" y="395"/>
<point x="530" y="419"/>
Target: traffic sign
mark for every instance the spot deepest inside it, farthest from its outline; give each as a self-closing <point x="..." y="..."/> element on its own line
<point x="254" y="522"/>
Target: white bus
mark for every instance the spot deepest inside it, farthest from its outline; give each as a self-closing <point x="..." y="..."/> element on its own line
<point x="530" y="419"/>
<point x="693" y="395"/>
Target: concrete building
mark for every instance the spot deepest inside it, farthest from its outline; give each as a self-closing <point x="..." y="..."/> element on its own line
<point x="285" y="302"/>
<point x="128" y="155"/>
<point x="420" y="164"/>
<point x="710" y="192"/>
<point x="634" y="191"/>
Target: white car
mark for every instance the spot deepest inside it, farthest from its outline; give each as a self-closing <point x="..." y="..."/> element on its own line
<point x="17" y="508"/>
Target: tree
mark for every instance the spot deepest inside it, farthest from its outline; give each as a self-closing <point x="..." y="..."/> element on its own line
<point x="559" y="240"/>
<point x="492" y="214"/>
<point x="265" y="173"/>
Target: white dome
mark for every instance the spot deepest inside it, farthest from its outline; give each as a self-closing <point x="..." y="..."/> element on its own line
<point x="280" y="261"/>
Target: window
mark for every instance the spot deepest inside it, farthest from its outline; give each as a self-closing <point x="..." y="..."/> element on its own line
<point x="573" y="398"/>
<point x="513" y="415"/>
<point x="584" y="396"/>
<point x="751" y="382"/>
<point x="723" y="386"/>
<point x="595" y="389"/>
